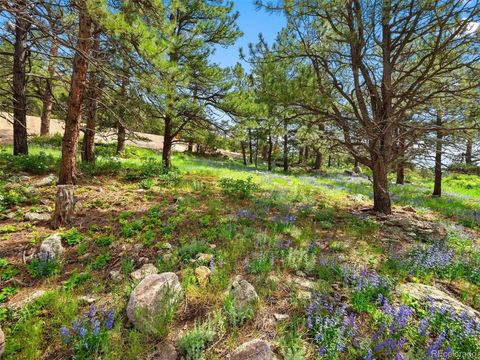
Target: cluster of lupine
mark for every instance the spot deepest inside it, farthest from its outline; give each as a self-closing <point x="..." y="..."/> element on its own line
<point x="330" y="325"/>
<point x="286" y="220"/>
<point x="246" y="214"/>
<point x="389" y="340"/>
<point x="89" y="334"/>
<point x="364" y="278"/>
<point x="438" y="331"/>
<point x="436" y="257"/>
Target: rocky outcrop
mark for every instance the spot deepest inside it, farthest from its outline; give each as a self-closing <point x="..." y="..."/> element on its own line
<point x="439" y="299"/>
<point x="256" y="349"/>
<point x="51" y="248"/>
<point x="149" y="299"/>
<point x="415" y="228"/>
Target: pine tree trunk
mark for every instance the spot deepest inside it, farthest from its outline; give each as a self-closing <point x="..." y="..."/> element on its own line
<point x="167" y="143"/>
<point x="250" y="146"/>
<point x="256" y="152"/>
<point x="300" y="154"/>
<point x="88" y="154"/>
<point x="306" y="153"/>
<point x="48" y="94"/>
<point x="469" y="152"/>
<point x="244" y="152"/>
<point x="356" y="167"/>
<point x="269" y="152"/>
<point x="318" y="160"/>
<point x="22" y="25"/>
<point x="329" y="161"/>
<point x="381" y="196"/>
<point x="65" y="202"/>
<point x="400" y="173"/>
<point x="120" y="138"/>
<point x="437" y="187"/>
<point x="77" y="88"/>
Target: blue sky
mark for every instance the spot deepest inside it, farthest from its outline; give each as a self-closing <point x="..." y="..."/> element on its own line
<point x="252" y="22"/>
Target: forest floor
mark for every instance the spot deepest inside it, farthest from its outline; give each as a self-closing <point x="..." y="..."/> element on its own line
<point x="333" y="278"/>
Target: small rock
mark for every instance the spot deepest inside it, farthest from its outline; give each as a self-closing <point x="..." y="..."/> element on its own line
<point x="202" y="274"/>
<point x="166" y="352"/>
<point x="138" y="247"/>
<point x="87" y="299"/>
<point x="51" y="247"/>
<point x="47" y="180"/>
<point x="2" y="342"/>
<point x="25" y="300"/>
<point x="243" y="292"/>
<point x="256" y="349"/>
<point x="31" y="216"/>
<point x="167" y="246"/>
<point x="359" y="198"/>
<point x="281" y="317"/>
<point x="204" y="258"/>
<point x="148" y="298"/>
<point x="302" y="282"/>
<point x="116" y="276"/>
<point x="304" y="295"/>
<point x="143" y="260"/>
<point x="143" y="272"/>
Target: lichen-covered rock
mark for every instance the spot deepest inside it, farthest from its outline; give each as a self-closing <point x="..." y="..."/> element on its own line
<point x="439" y="299"/>
<point x="166" y="351"/>
<point x="31" y="216"/>
<point x="23" y="299"/>
<point x="148" y="300"/>
<point x="256" y="349"/>
<point x="47" y="180"/>
<point x="204" y="258"/>
<point x="51" y="248"/>
<point x="243" y="292"/>
<point x="143" y="272"/>
<point x="202" y="273"/>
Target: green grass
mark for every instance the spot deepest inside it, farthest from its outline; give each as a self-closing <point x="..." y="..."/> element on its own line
<point x="263" y="226"/>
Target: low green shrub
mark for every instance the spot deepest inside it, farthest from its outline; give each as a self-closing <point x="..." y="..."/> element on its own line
<point x="238" y="188"/>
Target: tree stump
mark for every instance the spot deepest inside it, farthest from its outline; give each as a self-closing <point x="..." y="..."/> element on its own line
<point x="64" y="206"/>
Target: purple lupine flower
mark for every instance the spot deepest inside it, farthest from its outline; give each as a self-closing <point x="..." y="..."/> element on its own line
<point x="96" y="327"/>
<point x="110" y="319"/>
<point x="65" y="334"/>
<point x="82" y="332"/>
<point x="93" y="311"/>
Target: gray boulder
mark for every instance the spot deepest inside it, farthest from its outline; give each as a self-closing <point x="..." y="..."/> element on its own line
<point x="256" y="349"/>
<point x="51" y="248"/>
<point x="439" y="299"/>
<point x="243" y="292"/>
<point x="149" y="298"/>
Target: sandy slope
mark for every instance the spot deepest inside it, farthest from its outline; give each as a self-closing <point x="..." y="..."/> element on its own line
<point x="57" y="126"/>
